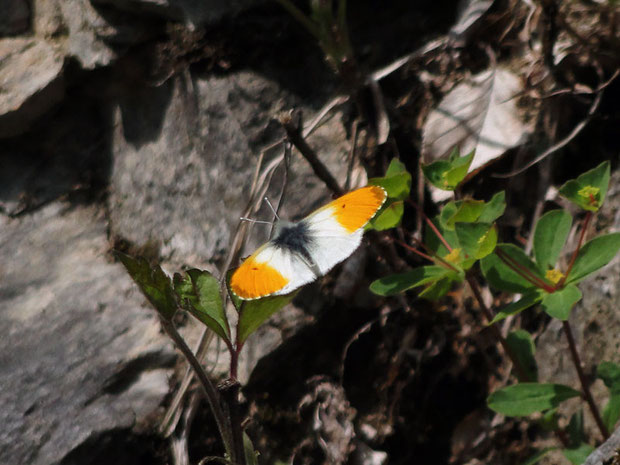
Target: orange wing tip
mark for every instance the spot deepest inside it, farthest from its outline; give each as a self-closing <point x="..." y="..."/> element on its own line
<point x="254" y="280"/>
<point x="355" y="209"/>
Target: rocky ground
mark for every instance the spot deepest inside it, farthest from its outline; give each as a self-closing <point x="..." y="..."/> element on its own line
<point x="144" y="126"/>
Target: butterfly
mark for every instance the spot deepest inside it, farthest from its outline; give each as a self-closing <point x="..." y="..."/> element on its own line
<point x="303" y="251"/>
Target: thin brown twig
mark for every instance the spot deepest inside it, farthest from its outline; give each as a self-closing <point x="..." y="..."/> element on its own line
<point x="295" y="136"/>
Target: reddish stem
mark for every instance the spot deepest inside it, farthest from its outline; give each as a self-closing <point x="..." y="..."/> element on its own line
<point x="431" y="225"/>
<point x="583" y="381"/>
<point x="584" y="228"/>
<point x="523" y="271"/>
<point x="414" y="250"/>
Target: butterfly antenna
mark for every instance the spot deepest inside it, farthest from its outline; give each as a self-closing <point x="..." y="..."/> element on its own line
<point x="250" y="220"/>
<point x="271" y="207"/>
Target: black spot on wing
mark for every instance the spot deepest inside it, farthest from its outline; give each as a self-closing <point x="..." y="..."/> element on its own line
<point x="295" y="238"/>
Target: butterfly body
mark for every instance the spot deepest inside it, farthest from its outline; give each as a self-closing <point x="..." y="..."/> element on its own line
<point x="301" y="252"/>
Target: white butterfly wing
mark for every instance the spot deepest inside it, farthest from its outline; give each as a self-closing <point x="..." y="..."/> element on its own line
<point x="271" y="270"/>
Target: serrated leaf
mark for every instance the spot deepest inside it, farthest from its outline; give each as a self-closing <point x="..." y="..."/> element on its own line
<point x="462" y="211"/>
<point x="396" y="182"/>
<point x="549" y="237"/>
<point x="199" y="294"/>
<point x="477" y="239"/>
<point x="526" y="398"/>
<point x="538" y="456"/>
<point x="560" y="303"/>
<point x="530" y="298"/>
<point x="153" y="282"/>
<point x="390" y="216"/>
<point x="494" y="208"/>
<point x="594" y="255"/>
<point x="503" y="277"/>
<point x="397" y="283"/>
<point x="579" y="454"/>
<point x="588" y="190"/>
<point x="522" y="346"/>
<point x="255" y="312"/>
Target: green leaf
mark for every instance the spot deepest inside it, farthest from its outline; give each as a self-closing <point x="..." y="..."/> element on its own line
<point x="396" y="182"/>
<point x="477" y="239"/>
<point x="522" y="346"/>
<point x="199" y="294"/>
<point x="549" y="237"/>
<point x="397" y="283"/>
<point x="579" y="454"/>
<point x="437" y="289"/>
<point x="389" y="216"/>
<point x="531" y="297"/>
<point x="494" y="208"/>
<point x="396" y="167"/>
<point x="588" y="190"/>
<point x="526" y="398"/>
<point x="251" y="456"/>
<point x="549" y="420"/>
<point x="538" y="456"/>
<point x="505" y="278"/>
<point x="611" y="411"/>
<point x="594" y="255"/>
<point x="255" y="312"/>
<point x="610" y="374"/>
<point x="153" y="282"/>
<point x="559" y="303"/>
<point x="448" y="174"/>
<point x="461" y="211"/>
<point x="575" y="428"/>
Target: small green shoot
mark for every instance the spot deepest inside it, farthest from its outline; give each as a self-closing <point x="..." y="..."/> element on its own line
<point x="588" y="190"/>
<point x="448" y="174"/>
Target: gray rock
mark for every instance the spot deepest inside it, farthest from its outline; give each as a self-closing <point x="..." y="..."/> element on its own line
<point x="184" y="154"/>
<point x="30" y="81"/>
<point x="80" y="355"/>
<point x="15" y="18"/>
<point x="193" y="12"/>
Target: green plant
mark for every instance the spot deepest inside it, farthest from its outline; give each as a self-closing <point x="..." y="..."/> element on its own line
<point x="203" y="296"/>
<point x="464" y="233"/>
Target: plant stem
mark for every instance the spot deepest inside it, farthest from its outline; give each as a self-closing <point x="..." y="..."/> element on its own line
<point x="230" y="393"/>
<point x="523" y="271"/>
<point x="582" y="379"/>
<point x="584" y="228"/>
<point x="430" y="224"/>
<point x="212" y="395"/>
<point x="521" y="373"/>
